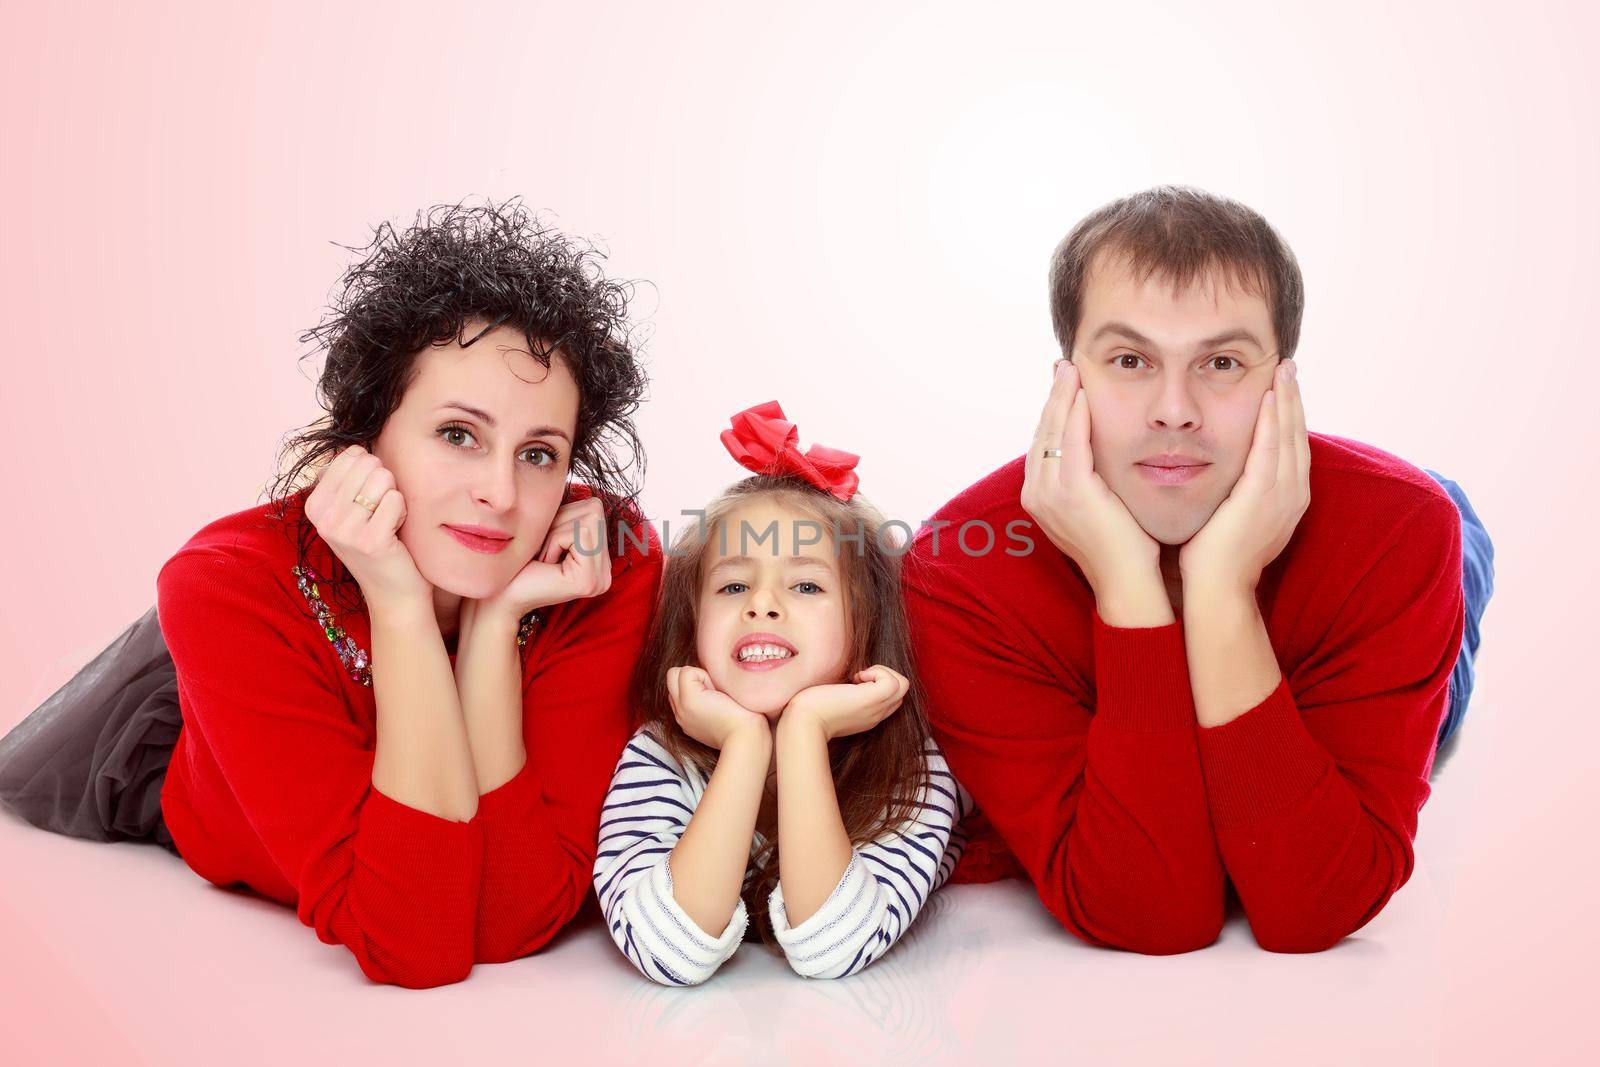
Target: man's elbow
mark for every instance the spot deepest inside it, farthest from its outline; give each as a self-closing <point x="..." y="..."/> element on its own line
<point x="1167" y="932"/>
<point x="1305" y="931"/>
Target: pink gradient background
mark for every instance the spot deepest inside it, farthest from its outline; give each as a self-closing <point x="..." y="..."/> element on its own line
<point x="848" y="209"/>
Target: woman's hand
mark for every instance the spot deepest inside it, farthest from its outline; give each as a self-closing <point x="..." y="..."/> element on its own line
<point x="574" y="562"/>
<point x="846" y="708"/>
<point x="365" y="540"/>
<point x="705" y="713"/>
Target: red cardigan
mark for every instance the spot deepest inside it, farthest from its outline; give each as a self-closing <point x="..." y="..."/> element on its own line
<point x="270" y="785"/>
<point x="1078" y="740"/>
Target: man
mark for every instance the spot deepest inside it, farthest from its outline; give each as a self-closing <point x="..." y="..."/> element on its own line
<point x="1228" y="658"/>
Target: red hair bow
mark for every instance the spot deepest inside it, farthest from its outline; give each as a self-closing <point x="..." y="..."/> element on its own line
<point x="762" y="440"/>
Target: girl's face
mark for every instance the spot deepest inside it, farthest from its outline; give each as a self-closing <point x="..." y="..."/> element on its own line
<point x="480" y="447"/>
<point x="772" y="612"/>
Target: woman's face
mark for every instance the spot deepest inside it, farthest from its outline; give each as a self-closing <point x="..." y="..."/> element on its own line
<point x="772" y="609"/>
<point x="480" y="447"/>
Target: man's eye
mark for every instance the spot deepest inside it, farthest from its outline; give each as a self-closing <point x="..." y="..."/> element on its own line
<point x="1128" y="361"/>
<point x="1225" y="362"/>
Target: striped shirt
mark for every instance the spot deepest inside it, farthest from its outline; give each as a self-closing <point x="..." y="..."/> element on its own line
<point x="884" y="886"/>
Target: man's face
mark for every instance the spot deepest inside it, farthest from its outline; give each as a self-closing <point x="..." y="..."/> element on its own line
<point x="1174" y="380"/>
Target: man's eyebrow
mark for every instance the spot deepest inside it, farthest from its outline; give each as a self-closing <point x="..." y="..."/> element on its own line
<point x="1124" y="330"/>
<point x="489" y="421"/>
<point x="1229" y="336"/>
<point x="1225" y="337"/>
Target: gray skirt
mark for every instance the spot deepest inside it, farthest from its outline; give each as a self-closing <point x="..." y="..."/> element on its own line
<point x="90" y="761"/>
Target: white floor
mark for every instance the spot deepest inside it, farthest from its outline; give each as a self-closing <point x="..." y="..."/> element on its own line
<point x="116" y="953"/>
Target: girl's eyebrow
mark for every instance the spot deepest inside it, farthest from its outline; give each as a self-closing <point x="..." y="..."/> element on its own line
<point x="489" y="421"/>
<point x="730" y="562"/>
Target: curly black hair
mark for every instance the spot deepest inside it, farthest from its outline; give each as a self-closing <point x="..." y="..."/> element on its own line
<point x="408" y="290"/>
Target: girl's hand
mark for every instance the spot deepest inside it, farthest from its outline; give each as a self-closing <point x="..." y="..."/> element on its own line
<point x="365" y="539"/>
<point x="705" y="713"/>
<point x="574" y="562"/>
<point x="847" y="708"/>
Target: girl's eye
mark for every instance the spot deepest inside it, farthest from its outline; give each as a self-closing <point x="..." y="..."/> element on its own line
<point x="806" y="586"/>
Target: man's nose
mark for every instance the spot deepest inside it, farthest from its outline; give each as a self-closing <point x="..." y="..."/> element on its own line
<point x="1174" y="406"/>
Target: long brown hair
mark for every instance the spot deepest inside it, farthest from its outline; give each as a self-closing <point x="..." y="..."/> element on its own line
<point x="878" y="775"/>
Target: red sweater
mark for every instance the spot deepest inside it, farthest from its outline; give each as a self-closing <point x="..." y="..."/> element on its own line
<point x="270" y="784"/>
<point x="1078" y="740"/>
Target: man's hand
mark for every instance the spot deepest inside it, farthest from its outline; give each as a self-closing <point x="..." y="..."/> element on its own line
<point x="1255" y="522"/>
<point x="1084" y="518"/>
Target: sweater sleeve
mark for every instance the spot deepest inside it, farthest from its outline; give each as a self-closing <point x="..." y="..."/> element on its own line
<point x="1315" y="791"/>
<point x="395" y="885"/>
<point x="646" y="810"/>
<point x="883" y="888"/>
<point x="539" y="827"/>
<point x="1105" y="810"/>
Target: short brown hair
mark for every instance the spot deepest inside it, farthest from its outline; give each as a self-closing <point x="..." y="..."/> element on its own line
<point x="1183" y="234"/>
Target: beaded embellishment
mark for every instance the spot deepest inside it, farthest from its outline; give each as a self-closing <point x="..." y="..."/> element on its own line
<point x="357" y="661"/>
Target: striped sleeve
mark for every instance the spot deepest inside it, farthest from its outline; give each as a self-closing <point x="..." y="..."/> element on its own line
<point x="646" y="810"/>
<point x="883" y="887"/>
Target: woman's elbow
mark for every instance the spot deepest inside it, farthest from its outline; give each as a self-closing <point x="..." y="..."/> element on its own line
<point x="417" y="973"/>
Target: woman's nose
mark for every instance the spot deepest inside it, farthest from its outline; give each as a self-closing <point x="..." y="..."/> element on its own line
<point x="497" y="488"/>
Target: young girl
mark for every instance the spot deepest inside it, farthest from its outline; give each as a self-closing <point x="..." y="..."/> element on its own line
<point x="777" y="706"/>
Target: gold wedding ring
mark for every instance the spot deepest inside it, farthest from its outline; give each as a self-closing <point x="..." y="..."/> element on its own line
<point x="1051" y="453"/>
<point x="364" y="502"/>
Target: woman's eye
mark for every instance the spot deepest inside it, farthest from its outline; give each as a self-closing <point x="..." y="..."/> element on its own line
<point x="453" y="435"/>
<point x="550" y="457"/>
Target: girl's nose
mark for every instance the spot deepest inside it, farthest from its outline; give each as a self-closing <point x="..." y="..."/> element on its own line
<point x="761" y="604"/>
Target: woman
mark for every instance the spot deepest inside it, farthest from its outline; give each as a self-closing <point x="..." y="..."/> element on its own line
<point x="394" y="696"/>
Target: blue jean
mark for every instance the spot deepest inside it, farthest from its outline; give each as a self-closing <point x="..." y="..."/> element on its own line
<point x="1477" y="585"/>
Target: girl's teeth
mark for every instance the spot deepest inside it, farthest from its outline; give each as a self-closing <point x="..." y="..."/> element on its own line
<point x="762" y="652"/>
